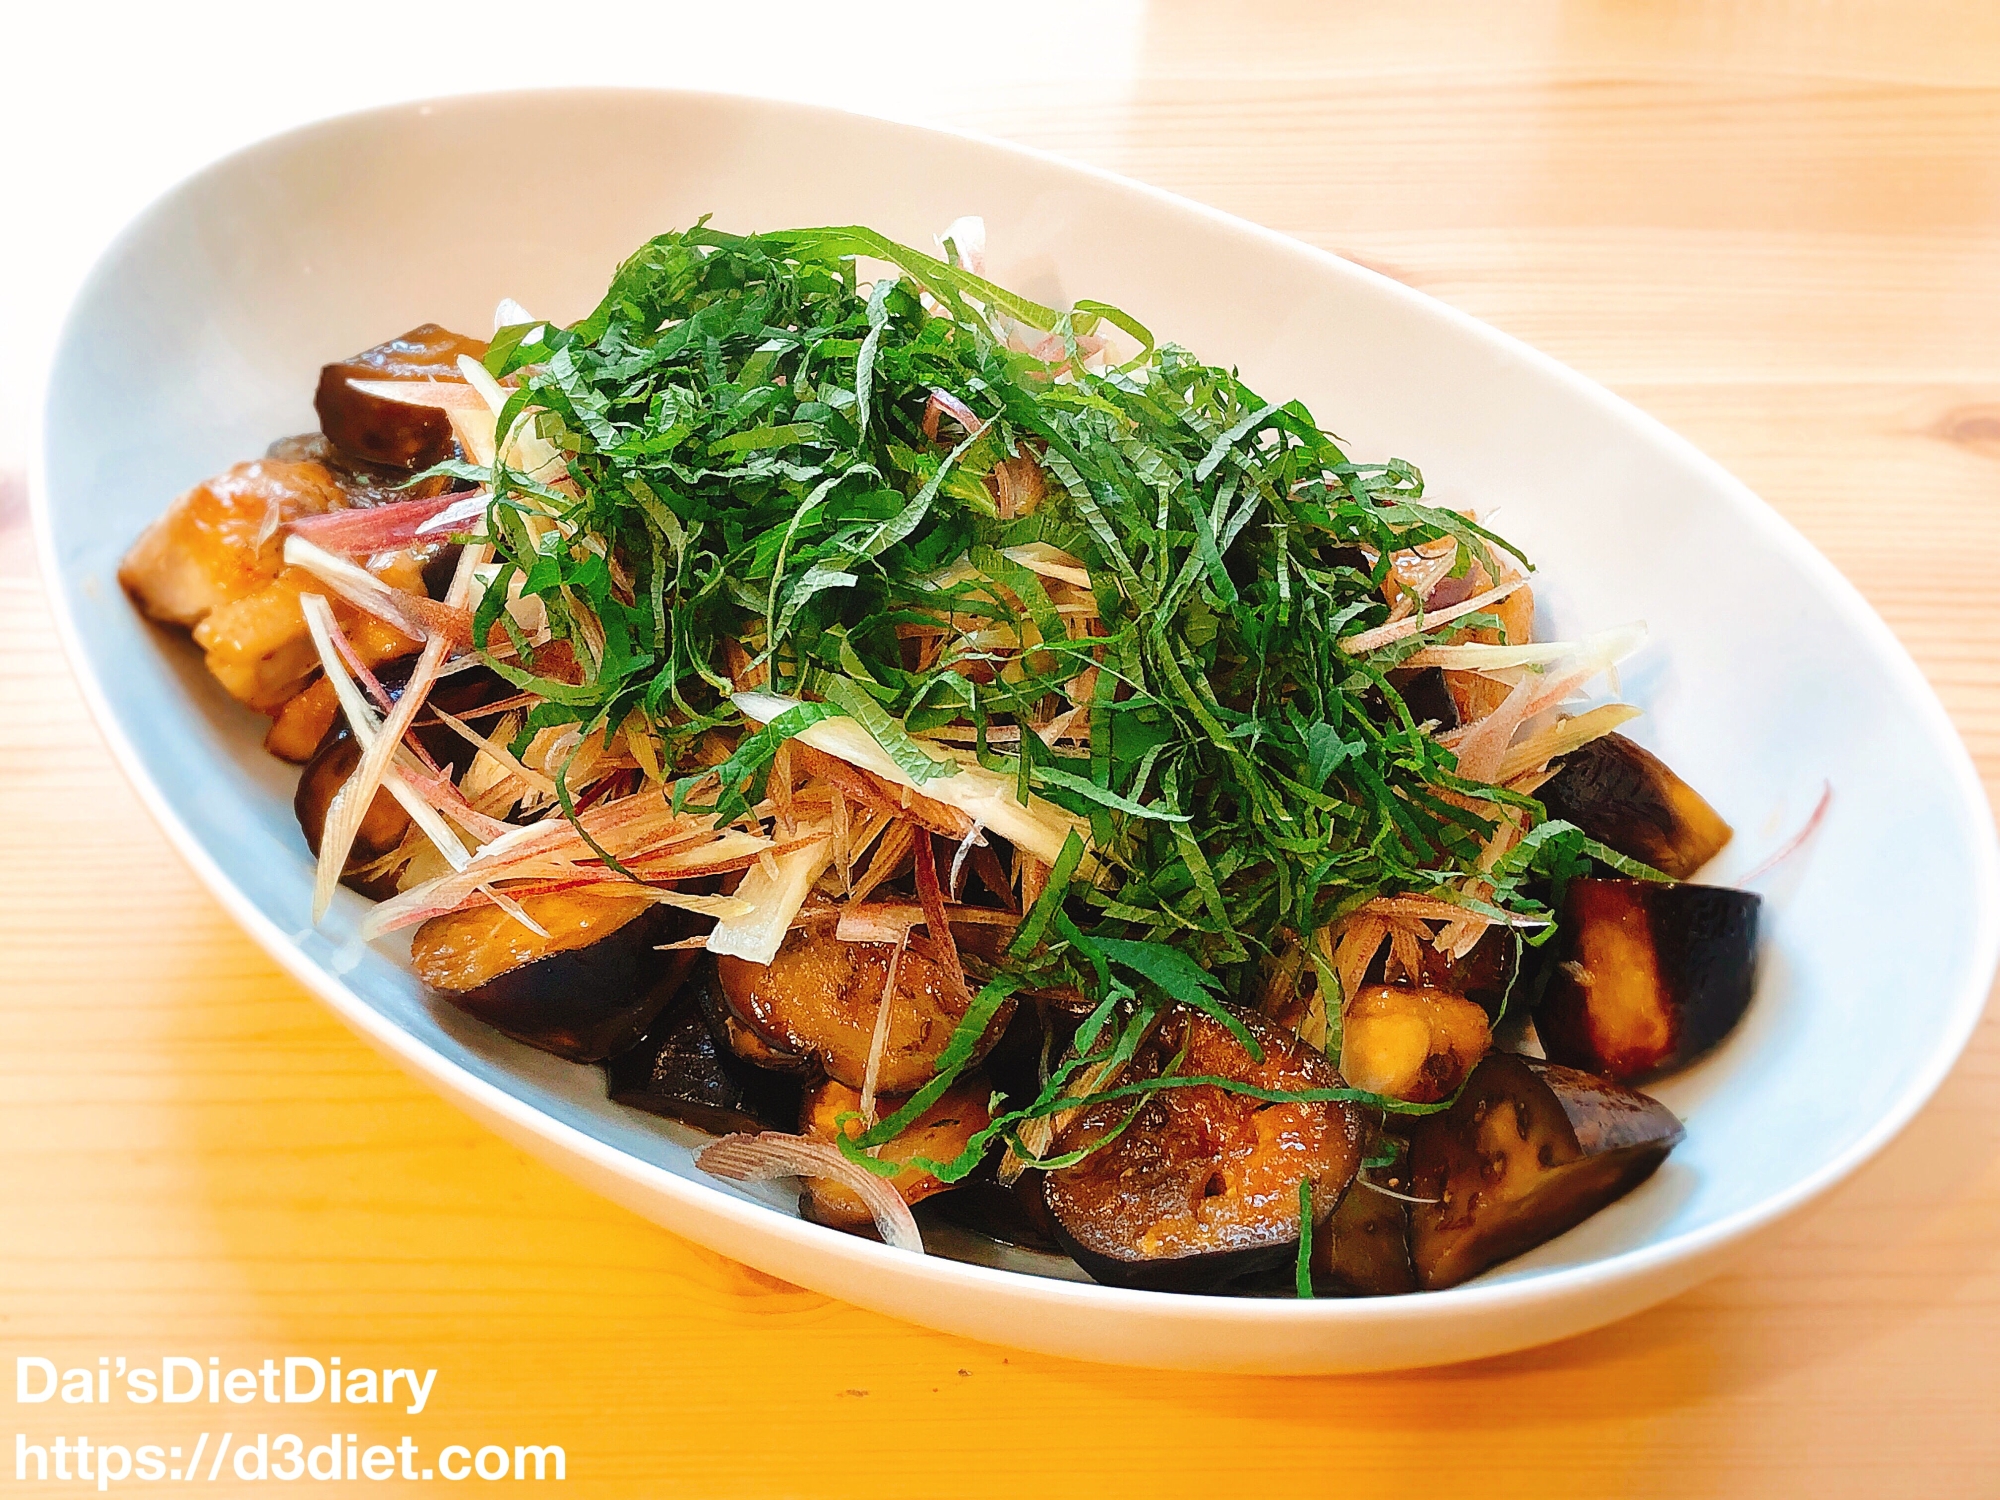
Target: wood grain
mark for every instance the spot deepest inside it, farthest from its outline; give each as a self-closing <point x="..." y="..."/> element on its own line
<point x="1774" y="224"/>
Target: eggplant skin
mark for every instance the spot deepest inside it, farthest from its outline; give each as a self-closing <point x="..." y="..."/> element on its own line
<point x="938" y="1134"/>
<point x="1647" y="977"/>
<point x="1013" y="1215"/>
<point x="1530" y="1150"/>
<point x="329" y="767"/>
<point x="585" y="992"/>
<point x="381" y="830"/>
<point x="393" y="433"/>
<point x="1364" y="1249"/>
<point x="1623" y="795"/>
<point x="745" y="1044"/>
<point x="818" y="999"/>
<point x="1203" y="1186"/>
<point x="679" y="1069"/>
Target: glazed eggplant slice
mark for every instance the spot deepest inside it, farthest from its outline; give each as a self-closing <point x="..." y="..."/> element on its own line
<point x="1202" y="1187"/>
<point x="1530" y="1149"/>
<point x="680" y="1070"/>
<point x="938" y="1134"/>
<point x="1409" y="1043"/>
<point x="1364" y="1249"/>
<point x="1623" y="795"/>
<point x="1647" y="976"/>
<point x="586" y="991"/>
<point x="381" y="830"/>
<point x="393" y="433"/>
<point x="818" y="997"/>
<point x="745" y="1044"/>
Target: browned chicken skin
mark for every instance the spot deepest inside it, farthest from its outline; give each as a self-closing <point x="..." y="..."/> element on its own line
<point x="219" y="542"/>
<point x="214" y="562"/>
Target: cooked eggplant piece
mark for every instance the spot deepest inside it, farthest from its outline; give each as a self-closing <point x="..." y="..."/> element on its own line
<point x="381" y="830"/>
<point x="440" y="567"/>
<point x="1202" y="1186"/>
<point x="338" y="754"/>
<point x="679" y="1069"/>
<point x="938" y="1134"/>
<point x="1364" y="1249"/>
<point x="587" y="990"/>
<point x="1647" y="976"/>
<point x="1038" y="1035"/>
<point x="1623" y="795"/>
<point x="817" y="998"/>
<point x="745" y="1044"/>
<point x="1013" y="1215"/>
<point x="393" y="433"/>
<point x="1411" y="1044"/>
<point x="1530" y="1149"/>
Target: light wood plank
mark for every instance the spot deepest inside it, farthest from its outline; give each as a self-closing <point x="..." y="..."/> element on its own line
<point x="1774" y="224"/>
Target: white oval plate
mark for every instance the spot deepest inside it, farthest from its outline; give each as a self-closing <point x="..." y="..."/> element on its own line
<point x="198" y="338"/>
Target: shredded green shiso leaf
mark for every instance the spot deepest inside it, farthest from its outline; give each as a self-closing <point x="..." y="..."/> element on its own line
<point x="1302" y="1281"/>
<point x="745" y="419"/>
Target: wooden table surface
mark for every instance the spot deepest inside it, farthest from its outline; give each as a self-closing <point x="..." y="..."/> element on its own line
<point x="1775" y="225"/>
